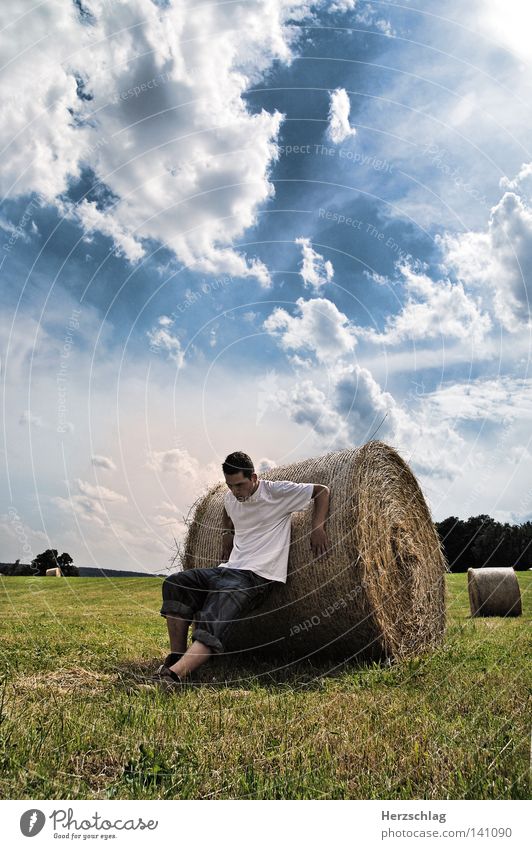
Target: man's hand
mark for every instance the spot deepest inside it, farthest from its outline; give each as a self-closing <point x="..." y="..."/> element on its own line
<point x="227" y="547"/>
<point x="319" y="542"/>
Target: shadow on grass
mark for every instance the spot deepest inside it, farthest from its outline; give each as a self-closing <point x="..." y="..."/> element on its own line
<point x="255" y="672"/>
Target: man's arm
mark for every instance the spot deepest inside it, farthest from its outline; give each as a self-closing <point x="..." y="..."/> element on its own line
<point x="318" y="538"/>
<point x="227" y="538"/>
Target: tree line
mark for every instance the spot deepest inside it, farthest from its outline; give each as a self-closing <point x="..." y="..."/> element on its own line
<point x="48" y="559"/>
<point x="481" y="541"/>
<point x="467" y="543"/>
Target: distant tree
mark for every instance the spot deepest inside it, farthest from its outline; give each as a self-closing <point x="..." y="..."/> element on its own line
<point x="49" y="559"/>
<point x="66" y="565"/>
<point x="481" y="541"/>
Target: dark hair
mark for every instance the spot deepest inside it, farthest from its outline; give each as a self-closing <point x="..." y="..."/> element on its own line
<point x="238" y="462"/>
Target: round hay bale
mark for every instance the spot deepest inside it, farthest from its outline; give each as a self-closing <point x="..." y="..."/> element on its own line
<point x="494" y="591"/>
<point x="379" y="593"/>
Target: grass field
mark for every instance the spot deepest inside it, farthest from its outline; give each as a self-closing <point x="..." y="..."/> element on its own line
<point x="77" y="721"/>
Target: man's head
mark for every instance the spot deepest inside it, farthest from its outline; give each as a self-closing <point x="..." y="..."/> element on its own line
<point x="239" y="474"/>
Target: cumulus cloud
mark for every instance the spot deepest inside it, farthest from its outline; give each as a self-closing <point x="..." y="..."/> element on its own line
<point x="264" y="464"/>
<point x="347" y="405"/>
<point x="498" y="399"/>
<point x="315" y="271"/>
<point x="173" y="461"/>
<point x="161" y="339"/>
<point x="320" y="328"/>
<point x="338" y="128"/>
<point x="102" y="462"/>
<point x="432" y="446"/>
<point x="356" y="408"/>
<point x="308" y="405"/>
<point x="99" y="492"/>
<point x="83" y="507"/>
<point x="498" y="260"/>
<point x="168" y="507"/>
<point x="343" y="5"/>
<point x="433" y="309"/>
<point x="148" y="99"/>
<point x="27" y="417"/>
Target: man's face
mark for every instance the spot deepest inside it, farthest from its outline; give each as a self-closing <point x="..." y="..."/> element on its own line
<point x="240" y="486"/>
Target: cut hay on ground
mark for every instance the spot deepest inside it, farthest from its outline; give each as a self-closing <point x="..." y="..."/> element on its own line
<point x="380" y="591"/>
<point x="494" y="592"/>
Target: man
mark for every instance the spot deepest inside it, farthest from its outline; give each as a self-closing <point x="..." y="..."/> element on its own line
<point x="255" y="544"/>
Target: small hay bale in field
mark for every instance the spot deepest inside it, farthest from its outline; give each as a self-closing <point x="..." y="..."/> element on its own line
<point x="53" y="573"/>
<point x="379" y="593"/>
<point x="494" y="592"/>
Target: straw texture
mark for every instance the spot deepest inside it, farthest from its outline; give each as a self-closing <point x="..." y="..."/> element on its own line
<point x="494" y="592"/>
<point x="380" y="592"/>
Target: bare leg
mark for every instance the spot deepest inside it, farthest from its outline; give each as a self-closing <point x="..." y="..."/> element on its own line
<point x="178" y="632"/>
<point x="195" y="655"/>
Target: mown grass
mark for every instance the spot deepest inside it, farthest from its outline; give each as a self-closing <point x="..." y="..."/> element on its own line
<point x="79" y="722"/>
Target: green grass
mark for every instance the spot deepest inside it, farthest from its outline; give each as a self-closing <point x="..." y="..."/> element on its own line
<point x="78" y="722"/>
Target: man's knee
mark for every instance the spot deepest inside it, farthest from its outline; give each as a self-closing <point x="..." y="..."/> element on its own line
<point x="172" y="581"/>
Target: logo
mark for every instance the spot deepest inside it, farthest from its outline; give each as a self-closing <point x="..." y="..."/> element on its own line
<point x="32" y="822"/>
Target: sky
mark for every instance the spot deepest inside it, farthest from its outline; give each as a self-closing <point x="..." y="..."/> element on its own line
<point x="272" y="226"/>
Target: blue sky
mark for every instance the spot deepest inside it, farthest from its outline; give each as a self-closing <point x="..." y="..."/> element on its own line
<point x="273" y="226"/>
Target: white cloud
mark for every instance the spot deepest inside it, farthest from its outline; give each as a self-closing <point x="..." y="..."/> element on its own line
<point x="149" y="97"/>
<point x="506" y="22"/>
<point x="338" y="128"/>
<point x="356" y="408"/>
<point x="495" y="399"/>
<point x="168" y="507"/>
<point x="173" y="461"/>
<point x="433" y="309"/>
<point x="308" y="405"/>
<point x="320" y="327"/>
<point x="369" y="17"/>
<point x="498" y="260"/>
<point x="83" y="507"/>
<point x="102" y="462"/>
<point x="264" y="464"/>
<point x="315" y="271"/>
<point x="99" y="492"/>
<point x="161" y="339"/>
<point x="343" y="5"/>
<point x="27" y="417"/>
<point x="432" y="447"/>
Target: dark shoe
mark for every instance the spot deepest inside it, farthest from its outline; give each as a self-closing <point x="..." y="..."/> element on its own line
<point x="169" y="678"/>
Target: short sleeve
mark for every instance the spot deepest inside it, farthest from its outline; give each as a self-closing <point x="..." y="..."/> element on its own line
<point x="293" y="496"/>
<point x="226" y="503"/>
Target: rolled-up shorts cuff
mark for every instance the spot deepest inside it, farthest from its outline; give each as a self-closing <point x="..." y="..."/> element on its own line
<point x="207" y="639"/>
<point x="170" y="607"/>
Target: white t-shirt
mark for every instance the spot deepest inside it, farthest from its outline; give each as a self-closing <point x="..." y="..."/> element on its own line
<point x="262" y="526"/>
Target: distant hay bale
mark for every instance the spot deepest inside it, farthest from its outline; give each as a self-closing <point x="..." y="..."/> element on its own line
<point x="494" y="592"/>
<point x="53" y="573"/>
<point x="379" y="593"/>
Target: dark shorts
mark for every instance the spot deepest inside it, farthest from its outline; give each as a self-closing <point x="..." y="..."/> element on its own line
<point x="214" y="597"/>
